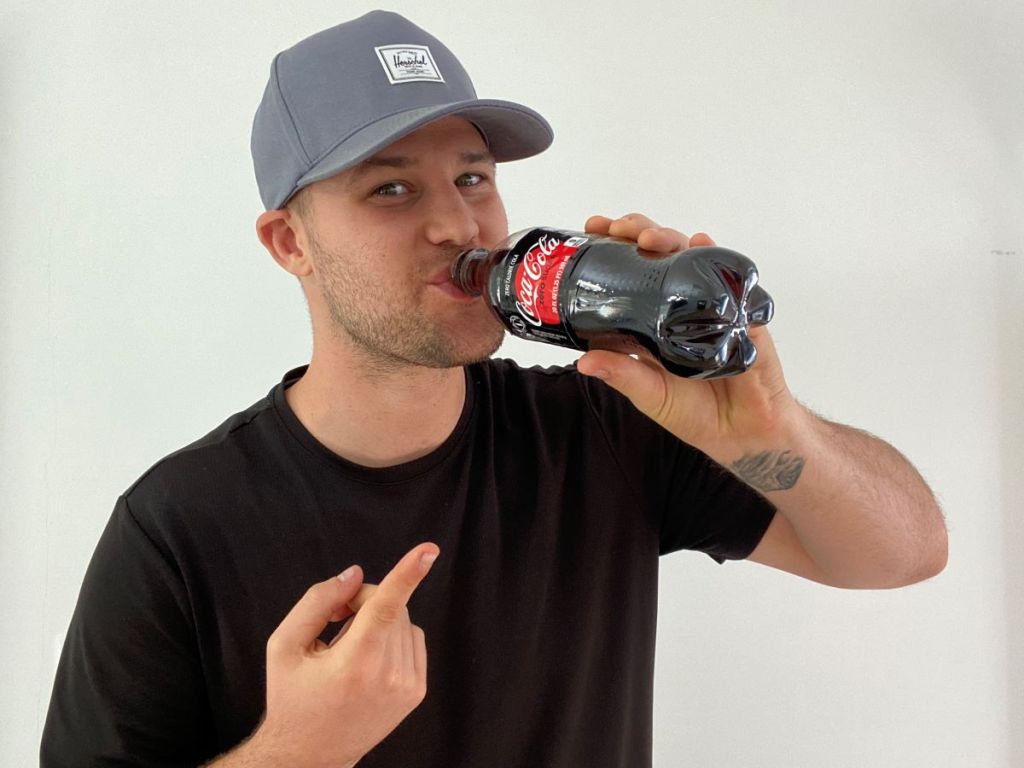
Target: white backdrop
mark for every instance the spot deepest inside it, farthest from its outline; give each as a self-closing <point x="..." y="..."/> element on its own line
<point x="869" y="156"/>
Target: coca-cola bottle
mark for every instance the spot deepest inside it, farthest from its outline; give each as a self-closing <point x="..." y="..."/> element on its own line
<point x="691" y="308"/>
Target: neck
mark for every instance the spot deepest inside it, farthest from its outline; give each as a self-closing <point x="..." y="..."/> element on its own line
<point x="373" y="414"/>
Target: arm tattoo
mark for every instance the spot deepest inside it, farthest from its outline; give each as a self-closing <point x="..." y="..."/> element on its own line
<point x="769" y="470"/>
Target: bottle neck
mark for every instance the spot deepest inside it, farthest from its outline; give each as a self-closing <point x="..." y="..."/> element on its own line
<point x="468" y="273"/>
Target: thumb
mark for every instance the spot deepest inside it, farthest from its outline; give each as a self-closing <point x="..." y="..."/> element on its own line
<point x="322" y="603"/>
<point x="642" y="381"/>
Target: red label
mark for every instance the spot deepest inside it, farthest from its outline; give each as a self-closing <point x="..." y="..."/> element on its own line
<point x="538" y="277"/>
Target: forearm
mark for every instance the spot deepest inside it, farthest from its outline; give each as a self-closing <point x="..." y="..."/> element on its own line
<point x="254" y="752"/>
<point x="862" y="513"/>
<point x="242" y="756"/>
<point x="260" y="750"/>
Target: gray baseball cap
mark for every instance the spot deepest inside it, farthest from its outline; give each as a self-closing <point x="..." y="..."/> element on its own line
<point x="343" y="94"/>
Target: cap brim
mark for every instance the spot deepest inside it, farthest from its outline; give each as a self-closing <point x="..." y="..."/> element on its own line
<point x="512" y="132"/>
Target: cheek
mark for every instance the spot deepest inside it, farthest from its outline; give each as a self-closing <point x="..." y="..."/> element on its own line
<point x="494" y="223"/>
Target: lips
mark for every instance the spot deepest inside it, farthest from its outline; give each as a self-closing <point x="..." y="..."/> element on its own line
<point x="443" y="282"/>
<point x="444" y="276"/>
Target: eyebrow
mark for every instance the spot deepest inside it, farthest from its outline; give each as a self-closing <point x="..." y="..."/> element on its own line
<point x="401" y="161"/>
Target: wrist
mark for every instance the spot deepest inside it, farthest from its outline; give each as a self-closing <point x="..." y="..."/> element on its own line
<point x="269" y="748"/>
<point x="774" y="458"/>
<point x="266" y="750"/>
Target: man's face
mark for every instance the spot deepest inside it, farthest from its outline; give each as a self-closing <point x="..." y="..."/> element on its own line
<point x="383" y="234"/>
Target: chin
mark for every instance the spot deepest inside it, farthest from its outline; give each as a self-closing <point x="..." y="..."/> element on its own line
<point x="482" y="349"/>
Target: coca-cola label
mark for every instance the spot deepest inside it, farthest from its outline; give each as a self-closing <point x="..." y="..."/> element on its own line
<point x="531" y="279"/>
<point x="537" y="280"/>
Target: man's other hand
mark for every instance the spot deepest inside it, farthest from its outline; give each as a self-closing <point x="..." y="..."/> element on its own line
<point x="328" y="705"/>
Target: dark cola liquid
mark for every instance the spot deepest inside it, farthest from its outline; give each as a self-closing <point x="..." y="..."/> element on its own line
<point x="691" y="309"/>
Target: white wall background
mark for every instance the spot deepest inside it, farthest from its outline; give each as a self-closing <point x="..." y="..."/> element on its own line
<point x="869" y="156"/>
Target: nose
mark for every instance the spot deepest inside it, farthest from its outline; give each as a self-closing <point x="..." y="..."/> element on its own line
<point x="451" y="219"/>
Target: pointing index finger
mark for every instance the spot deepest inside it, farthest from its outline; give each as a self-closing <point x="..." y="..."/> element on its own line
<point x="393" y="593"/>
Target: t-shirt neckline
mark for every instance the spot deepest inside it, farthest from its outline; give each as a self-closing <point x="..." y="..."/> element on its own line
<point x="395" y="473"/>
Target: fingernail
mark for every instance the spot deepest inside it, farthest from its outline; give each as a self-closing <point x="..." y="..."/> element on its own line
<point x="347" y="573"/>
<point x="427" y="560"/>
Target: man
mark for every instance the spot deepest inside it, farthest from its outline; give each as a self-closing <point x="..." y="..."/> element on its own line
<point x="207" y="627"/>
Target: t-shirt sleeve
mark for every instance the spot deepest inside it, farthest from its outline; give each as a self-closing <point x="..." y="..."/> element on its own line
<point x="696" y="503"/>
<point x="710" y="510"/>
<point x="129" y="688"/>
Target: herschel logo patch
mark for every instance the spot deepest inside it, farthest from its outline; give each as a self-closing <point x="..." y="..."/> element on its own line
<point x="408" y="63"/>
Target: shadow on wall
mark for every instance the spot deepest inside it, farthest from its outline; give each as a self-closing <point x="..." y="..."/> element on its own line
<point x="981" y="57"/>
<point x="1010" y="319"/>
<point x="1006" y="253"/>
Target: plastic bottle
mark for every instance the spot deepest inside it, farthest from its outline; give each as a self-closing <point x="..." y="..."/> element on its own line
<point x="691" y="309"/>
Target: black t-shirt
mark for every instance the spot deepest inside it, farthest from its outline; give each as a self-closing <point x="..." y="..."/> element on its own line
<point x="551" y="501"/>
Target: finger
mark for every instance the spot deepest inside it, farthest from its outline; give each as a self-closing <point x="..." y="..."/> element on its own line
<point x="341" y="632"/>
<point x="364" y="594"/>
<point x="644" y="384"/>
<point x="631" y="225"/>
<point x="663" y="240"/>
<point x="700" y="239"/>
<point x="597" y="225"/>
<point x="389" y="602"/>
<point x="767" y="369"/>
<point x="299" y="630"/>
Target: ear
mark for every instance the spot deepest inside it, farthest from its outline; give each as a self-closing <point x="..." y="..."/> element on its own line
<point x="281" y="233"/>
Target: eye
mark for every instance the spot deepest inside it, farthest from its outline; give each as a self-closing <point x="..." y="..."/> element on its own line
<point x="390" y="185"/>
<point x="389" y="189"/>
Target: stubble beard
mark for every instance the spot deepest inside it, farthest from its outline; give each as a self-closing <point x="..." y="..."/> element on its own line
<point x="395" y="332"/>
